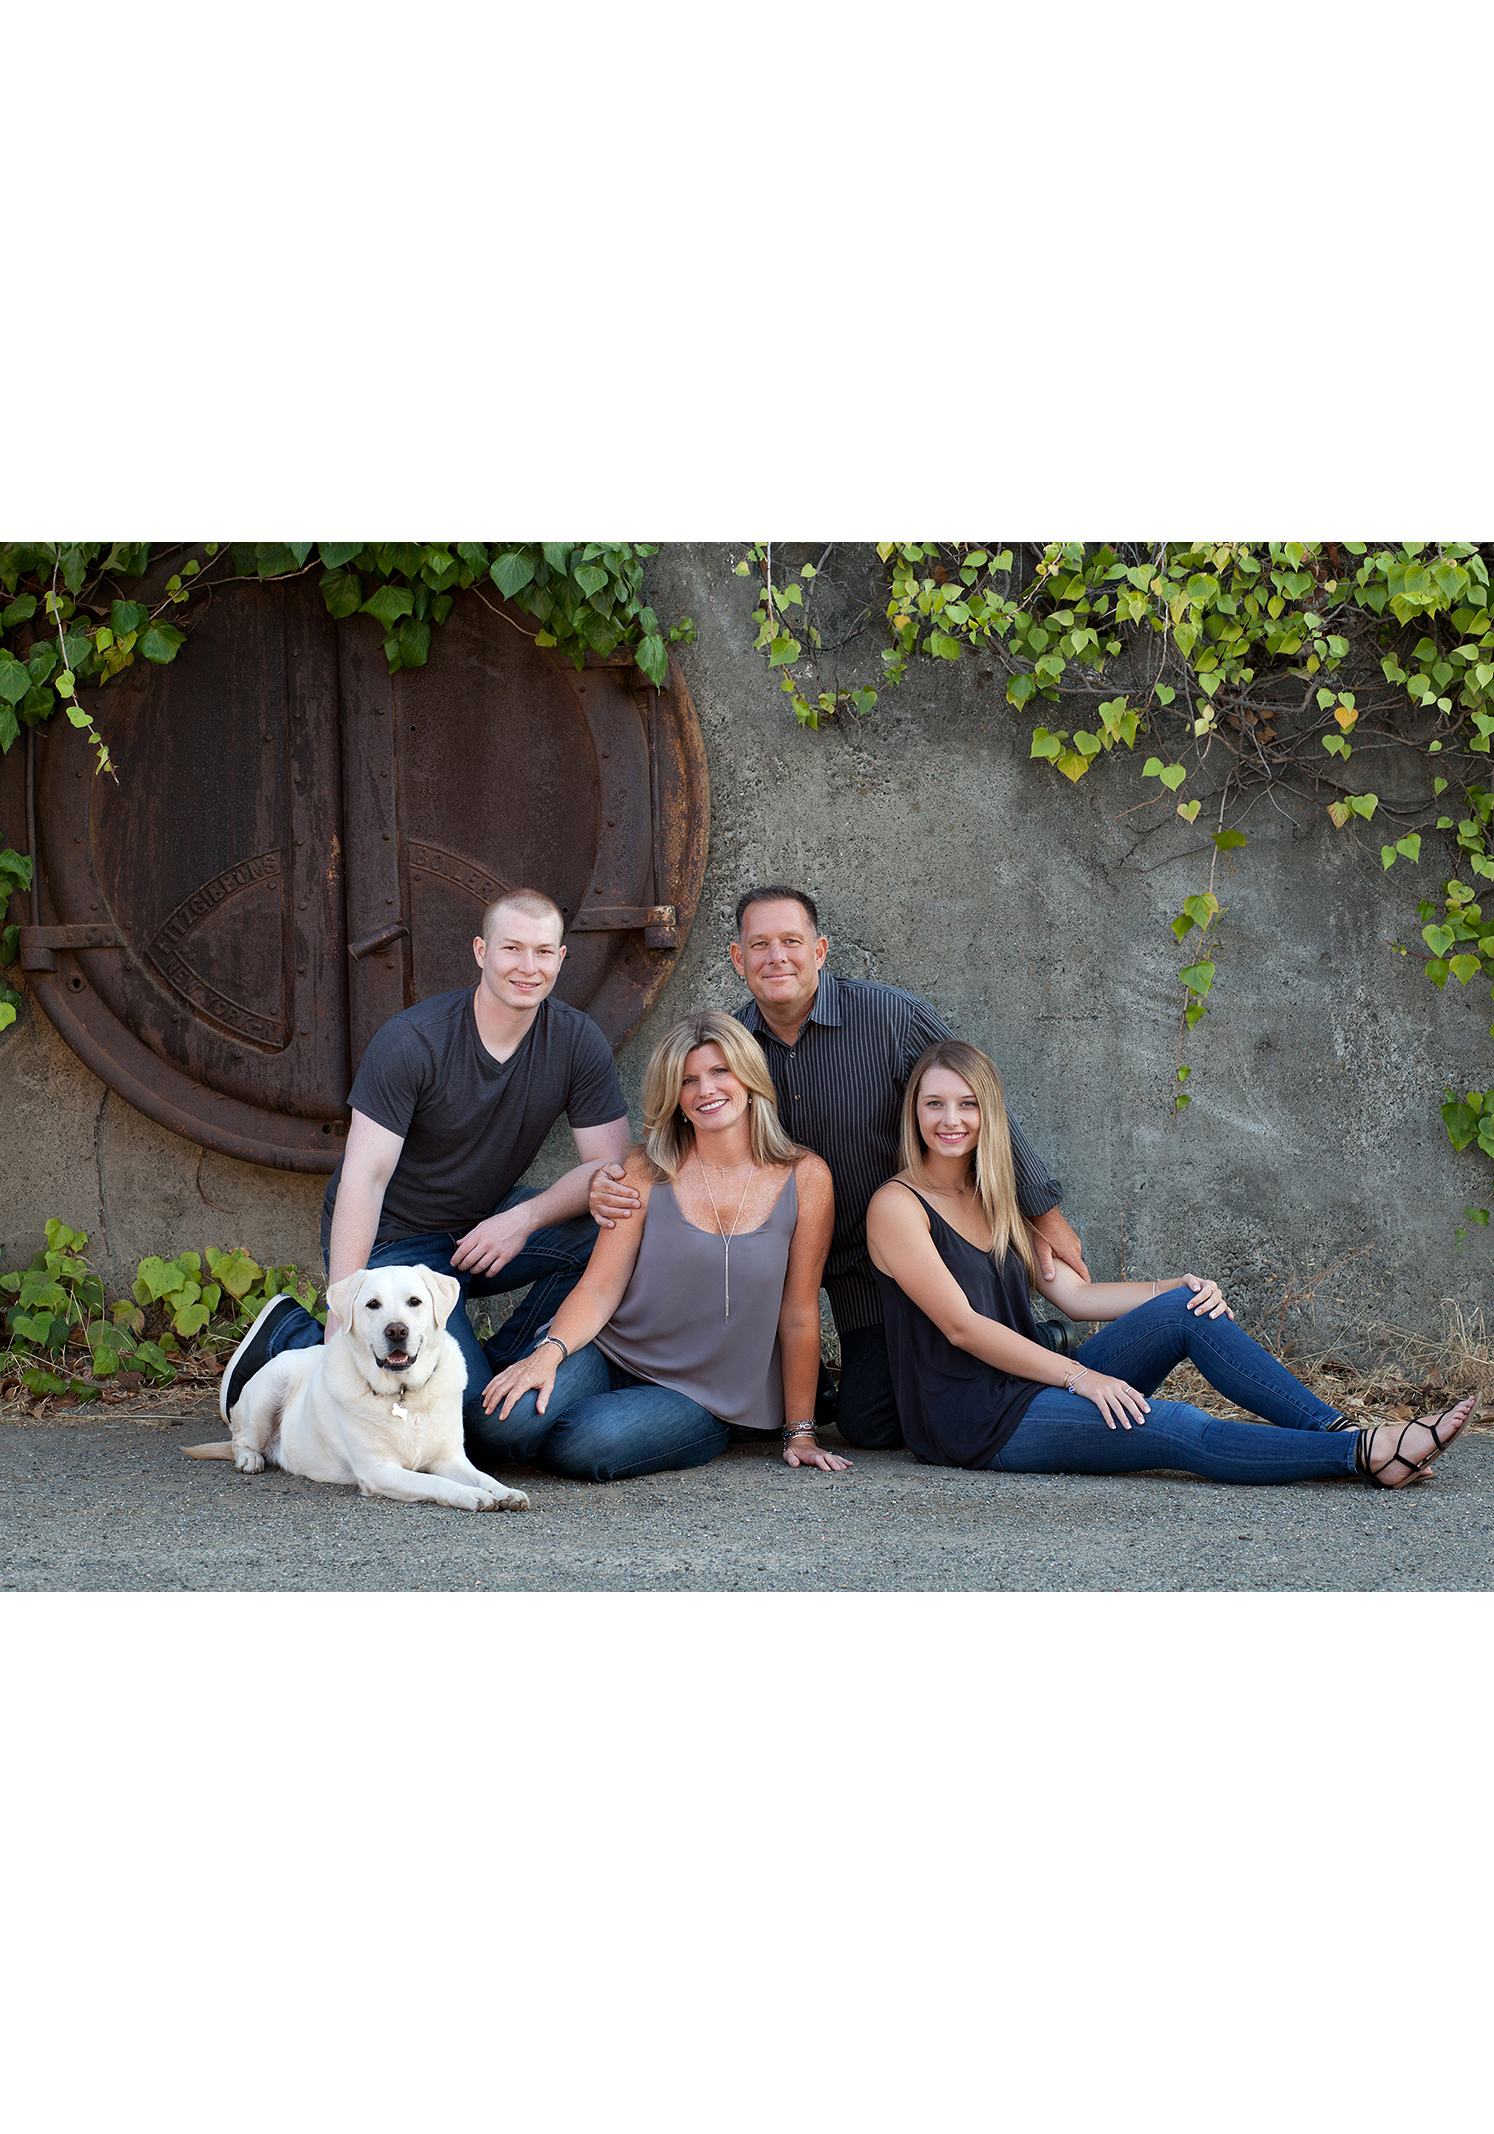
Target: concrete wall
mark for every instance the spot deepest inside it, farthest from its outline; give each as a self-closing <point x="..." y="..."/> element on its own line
<point x="1034" y="916"/>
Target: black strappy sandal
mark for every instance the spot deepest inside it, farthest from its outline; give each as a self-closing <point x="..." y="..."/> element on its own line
<point x="1397" y="1458"/>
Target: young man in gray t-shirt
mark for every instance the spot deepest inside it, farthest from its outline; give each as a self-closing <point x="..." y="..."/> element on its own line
<point x="449" y="1107"/>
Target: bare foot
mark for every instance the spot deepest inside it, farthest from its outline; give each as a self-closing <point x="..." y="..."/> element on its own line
<point x="1400" y="1453"/>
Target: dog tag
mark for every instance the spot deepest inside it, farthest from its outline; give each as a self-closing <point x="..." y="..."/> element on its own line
<point x="402" y="1413"/>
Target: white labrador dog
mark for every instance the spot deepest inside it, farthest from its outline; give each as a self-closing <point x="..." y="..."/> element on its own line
<point x="380" y="1404"/>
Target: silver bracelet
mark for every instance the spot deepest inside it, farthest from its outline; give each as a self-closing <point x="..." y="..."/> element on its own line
<point x="799" y="1430"/>
<point x="564" y="1351"/>
<point x="1079" y="1370"/>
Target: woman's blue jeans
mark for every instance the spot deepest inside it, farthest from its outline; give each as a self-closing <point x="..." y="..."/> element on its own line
<point x="1065" y="1434"/>
<point x="601" y="1424"/>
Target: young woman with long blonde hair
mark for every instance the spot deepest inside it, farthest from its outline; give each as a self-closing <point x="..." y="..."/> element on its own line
<point x="700" y="1318"/>
<point x="976" y="1388"/>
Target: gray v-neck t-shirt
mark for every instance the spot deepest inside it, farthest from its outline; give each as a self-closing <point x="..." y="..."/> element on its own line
<point x="472" y="1125"/>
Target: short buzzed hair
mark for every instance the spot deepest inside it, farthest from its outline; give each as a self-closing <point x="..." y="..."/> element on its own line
<point x="777" y="893"/>
<point x="532" y="902"/>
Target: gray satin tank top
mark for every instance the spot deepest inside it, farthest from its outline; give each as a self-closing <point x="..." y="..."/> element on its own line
<point x="671" y="1326"/>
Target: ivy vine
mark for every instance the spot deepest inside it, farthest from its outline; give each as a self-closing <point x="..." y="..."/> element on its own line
<point x="1238" y="652"/>
<point x="76" y="614"/>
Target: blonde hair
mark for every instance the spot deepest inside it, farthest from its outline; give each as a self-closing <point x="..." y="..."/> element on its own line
<point x="995" y="1177"/>
<point x="668" y="1136"/>
<point x="532" y="902"/>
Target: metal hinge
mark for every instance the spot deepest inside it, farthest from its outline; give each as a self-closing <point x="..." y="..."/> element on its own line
<point x="657" y="922"/>
<point x="38" y="943"/>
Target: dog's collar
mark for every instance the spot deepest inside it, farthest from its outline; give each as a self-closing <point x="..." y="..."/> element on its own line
<point x="396" y="1397"/>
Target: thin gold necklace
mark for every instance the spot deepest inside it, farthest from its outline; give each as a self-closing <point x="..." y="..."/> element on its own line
<point x="728" y="1235"/>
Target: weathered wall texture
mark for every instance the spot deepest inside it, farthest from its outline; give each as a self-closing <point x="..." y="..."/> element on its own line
<point x="1035" y="917"/>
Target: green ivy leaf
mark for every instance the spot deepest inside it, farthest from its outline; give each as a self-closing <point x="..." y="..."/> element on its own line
<point x="335" y="554"/>
<point x="1460" y="1120"/>
<point x="1230" y="840"/>
<point x="342" y="590"/>
<point x="15" y="679"/>
<point x="511" y="573"/>
<point x="414" y="643"/>
<point x="234" y="1270"/>
<point x="388" y="604"/>
<point x="1464" y="967"/>
<point x="652" y="657"/>
<point x="160" y="642"/>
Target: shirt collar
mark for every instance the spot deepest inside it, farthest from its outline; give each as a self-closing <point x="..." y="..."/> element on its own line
<point x="825" y="1008"/>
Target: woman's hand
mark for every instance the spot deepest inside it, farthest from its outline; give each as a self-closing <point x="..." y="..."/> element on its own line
<point x="1208" y="1300"/>
<point x="806" y="1452"/>
<point x="534" y="1373"/>
<point x="1116" y="1401"/>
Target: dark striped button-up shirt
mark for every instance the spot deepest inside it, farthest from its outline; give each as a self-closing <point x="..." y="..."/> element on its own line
<point x="840" y="1092"/>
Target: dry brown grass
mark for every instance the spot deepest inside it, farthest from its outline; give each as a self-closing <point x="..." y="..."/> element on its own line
<point x="195" y="1384"/>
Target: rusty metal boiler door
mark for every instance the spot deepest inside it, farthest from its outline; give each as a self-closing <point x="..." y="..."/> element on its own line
<point x="301" y="844"/>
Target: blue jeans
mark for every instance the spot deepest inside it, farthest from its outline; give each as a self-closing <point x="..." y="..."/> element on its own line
<point x="601" y="1424"/>
<point x="1065" y="1434"/>
<point x="552" y="1261"/>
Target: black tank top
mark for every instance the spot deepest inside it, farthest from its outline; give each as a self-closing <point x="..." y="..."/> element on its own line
<point x="955" y="1410"/>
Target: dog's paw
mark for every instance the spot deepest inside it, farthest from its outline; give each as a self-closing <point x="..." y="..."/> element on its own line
<point x="247" y="1460"/>
<point x="499" y="1499"/>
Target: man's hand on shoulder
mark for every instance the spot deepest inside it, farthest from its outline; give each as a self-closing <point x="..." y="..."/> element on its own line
<point x="1054" y="1238"/>
<point x="493" y="1243"/>
<point x="613" y="1200"/>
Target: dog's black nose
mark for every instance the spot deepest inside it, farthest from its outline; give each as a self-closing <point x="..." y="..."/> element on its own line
<point x="396" y="1335"/>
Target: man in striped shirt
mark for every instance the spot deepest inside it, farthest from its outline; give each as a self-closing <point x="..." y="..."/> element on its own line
<point x="839" y="1051"/>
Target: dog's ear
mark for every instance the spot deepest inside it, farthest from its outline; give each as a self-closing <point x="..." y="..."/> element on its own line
<point x="445" y="1290"/>
<point x="340" y="1296"/>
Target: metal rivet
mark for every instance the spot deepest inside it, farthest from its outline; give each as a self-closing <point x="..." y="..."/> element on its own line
<point x="301" y="970"/>
<point x="388" y="900"/>
<point x="386" y="837"/>
<point x="300" y="907"/>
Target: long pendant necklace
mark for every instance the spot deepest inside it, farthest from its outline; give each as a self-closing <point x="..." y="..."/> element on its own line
<point x="731" y="1233"/>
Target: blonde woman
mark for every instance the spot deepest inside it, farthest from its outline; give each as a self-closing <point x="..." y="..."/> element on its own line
<point x="703" y="1318"/>
<point x="976" y="1388"/>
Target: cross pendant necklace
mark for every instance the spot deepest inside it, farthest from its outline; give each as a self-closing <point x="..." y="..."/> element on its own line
<point x="728" y="1235"/>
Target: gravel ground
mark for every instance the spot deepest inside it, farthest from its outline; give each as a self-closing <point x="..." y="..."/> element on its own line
<point x="114" y="1505"/>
